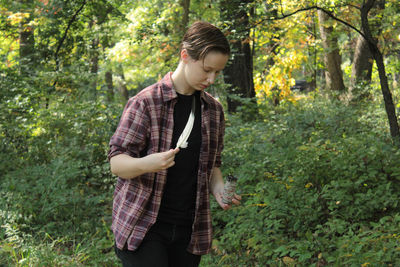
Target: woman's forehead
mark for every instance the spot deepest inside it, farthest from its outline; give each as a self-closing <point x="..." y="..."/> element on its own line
<point x="215" y="60"/>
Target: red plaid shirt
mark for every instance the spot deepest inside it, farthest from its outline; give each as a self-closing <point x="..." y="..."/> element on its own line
<point x="146" y="127"/>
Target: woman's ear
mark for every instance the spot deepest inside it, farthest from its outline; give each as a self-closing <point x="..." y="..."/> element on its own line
<point x="184" y="55"/>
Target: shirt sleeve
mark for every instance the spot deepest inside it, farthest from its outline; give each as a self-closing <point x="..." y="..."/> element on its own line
<point x="132" y="131"/>
<point x="221" y="134"/>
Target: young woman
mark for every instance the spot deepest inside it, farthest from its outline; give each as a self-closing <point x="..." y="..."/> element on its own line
<point x="161" y="209"/>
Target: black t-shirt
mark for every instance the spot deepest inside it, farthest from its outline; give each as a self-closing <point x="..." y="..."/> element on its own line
<point x="179" y="197"/>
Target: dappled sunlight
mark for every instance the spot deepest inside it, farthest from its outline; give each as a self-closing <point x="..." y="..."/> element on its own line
<point x="318" y="169"/>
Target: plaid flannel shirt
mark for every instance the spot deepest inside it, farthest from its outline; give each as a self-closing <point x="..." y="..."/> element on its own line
<point x="146" y="127"/>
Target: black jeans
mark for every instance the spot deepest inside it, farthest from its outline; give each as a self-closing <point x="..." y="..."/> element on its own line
<point x="163" y="246"/>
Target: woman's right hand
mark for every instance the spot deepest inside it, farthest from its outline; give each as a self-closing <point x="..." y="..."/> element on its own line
<point x="160" y="161"/>
<point x="127" y="167"/>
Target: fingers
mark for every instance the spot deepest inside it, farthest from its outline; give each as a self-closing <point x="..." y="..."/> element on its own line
<point x="236" y="199"/>
<point x="168" y="163"/>
<point x="169" y="157"/>
<point x="171" y="153"/>
<point x="224" y="206"/>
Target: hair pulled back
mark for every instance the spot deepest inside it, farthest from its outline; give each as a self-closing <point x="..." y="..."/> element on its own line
<point x="202" y="38"/>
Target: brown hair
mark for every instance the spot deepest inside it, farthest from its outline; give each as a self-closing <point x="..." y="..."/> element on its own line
<point x="202" y="38"/>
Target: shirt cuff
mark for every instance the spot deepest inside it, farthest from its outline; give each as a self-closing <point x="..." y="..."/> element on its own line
<point x="114" y="151"/>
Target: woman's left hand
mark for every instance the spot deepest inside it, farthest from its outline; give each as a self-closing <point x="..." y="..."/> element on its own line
<point x="235" y="200"/>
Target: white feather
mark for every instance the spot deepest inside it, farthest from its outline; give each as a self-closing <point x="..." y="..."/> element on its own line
<point x="182" y="141"/>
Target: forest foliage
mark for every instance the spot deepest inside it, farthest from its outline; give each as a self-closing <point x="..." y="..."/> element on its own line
<point x="318" y="166"/>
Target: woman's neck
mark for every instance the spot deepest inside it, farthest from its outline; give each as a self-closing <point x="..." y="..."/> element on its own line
<point x="179" y="81"/>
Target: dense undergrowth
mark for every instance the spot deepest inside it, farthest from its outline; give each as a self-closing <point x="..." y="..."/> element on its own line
<point x="320" y="182"/>
<point x="321" y="187"/>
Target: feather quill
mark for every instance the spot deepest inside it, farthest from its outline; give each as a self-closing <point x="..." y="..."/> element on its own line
<point x="182" y="141"/>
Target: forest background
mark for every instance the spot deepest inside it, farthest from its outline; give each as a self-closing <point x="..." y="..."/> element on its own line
<point x="311" y="95"/>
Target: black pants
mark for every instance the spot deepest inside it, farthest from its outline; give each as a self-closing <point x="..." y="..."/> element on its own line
<point x="163" y="246"/>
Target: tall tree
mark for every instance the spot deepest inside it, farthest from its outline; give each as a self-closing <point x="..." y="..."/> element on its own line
<point x="378" y="56"/>
<point x="239" y="71"/>
<point x="363" y="60"/>
<point x="362" y="63"/>
<point x="110" y="87"/>
<point x="26" y="39"/>
<point x="186" y="10"/>
<point x="333" y="60"/>
<point x="123" y="90"/>
<point x="313" y="70"/>
<point x="372" y="41"/>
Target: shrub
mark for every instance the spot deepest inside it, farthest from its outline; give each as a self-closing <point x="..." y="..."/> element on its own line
<point x="320" y="185"/>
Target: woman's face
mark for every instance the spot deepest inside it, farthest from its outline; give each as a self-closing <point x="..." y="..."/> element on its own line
<point x="200" y="74"/>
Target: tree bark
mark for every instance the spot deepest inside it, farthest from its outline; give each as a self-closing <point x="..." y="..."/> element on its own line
<point x="122" y="84"/>
<point x="363" y="58"/>
<point x="377" y="54"/>
<point x="239" y="70"/>
<point x="362" y="64"/>
<point x="361" y="71"/>
<point x="110" y="87"/>
<point x="186" y="9"/>
<point x="313" y="54"/>
<point x="332" y="58"/>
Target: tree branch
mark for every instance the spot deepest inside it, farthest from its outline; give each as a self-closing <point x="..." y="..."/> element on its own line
<point x="330" y="14"/>
<point x="342" y="21"/>
<point x="65" y="34"/>
<point x="356" y="7"/>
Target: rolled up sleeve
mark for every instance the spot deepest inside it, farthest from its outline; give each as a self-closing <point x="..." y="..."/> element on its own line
<point x="132" y="131"/>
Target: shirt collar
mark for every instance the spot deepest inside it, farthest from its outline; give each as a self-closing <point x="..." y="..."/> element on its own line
<point x="169" y="91"/>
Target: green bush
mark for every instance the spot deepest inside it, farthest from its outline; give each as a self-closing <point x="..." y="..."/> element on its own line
<point x="320" y="186"/>
<point x="56" y="187"/>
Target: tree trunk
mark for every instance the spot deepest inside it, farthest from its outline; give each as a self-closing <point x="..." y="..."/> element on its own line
<point x="110" y="87"/>
<point x="122" y="83"/>
<point x="362" y="63"/>
<point x="333" y="61"/>
<point x="239" y="70"/>
<point x="26" y="46"/>
<point x="363" y="58"/>
<point x="377" y="54"/>
<point x="94" y="67"/>
<point x="186" y="9"/>
<point x="313" y="54"/>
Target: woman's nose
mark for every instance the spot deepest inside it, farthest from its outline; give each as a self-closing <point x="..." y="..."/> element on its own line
<point x="211" y="78"/>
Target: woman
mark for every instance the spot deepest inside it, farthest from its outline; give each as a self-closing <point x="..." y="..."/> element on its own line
<point x="161" y="209"/>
